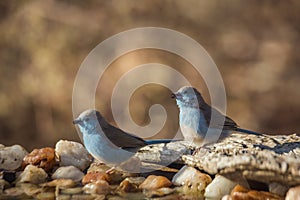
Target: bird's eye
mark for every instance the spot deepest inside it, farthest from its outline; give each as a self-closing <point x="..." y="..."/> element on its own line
<point x="87" y="119"/>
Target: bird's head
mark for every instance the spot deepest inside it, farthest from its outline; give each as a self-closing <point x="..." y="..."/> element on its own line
<point x="89" y="119"/>
<point x="188" y="97"/>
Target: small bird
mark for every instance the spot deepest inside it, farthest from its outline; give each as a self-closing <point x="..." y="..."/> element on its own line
<point x="195" y="117"/>
<point x="107" y="143"/>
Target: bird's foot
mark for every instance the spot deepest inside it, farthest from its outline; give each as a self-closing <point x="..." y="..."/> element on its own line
<point x="201" y="150"/>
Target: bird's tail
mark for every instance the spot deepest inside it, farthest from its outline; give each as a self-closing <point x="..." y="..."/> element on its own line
<point x="159" y="141"/>
<point x="247" y="131"/>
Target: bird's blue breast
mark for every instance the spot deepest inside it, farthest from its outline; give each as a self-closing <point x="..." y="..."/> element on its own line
<point x="194" y="119"/>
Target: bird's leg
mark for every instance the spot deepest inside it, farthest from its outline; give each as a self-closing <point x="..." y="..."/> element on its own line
<point x="202" y="149"/>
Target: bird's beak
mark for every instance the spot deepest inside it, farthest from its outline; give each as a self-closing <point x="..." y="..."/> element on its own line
<point x="176" y="96"/>
<point x="173" y="95"/>
<point x="76" y="121"/>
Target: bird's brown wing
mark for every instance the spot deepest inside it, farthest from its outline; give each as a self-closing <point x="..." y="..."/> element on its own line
<point x="122" y="139"/>
<point x="229" y="124"/>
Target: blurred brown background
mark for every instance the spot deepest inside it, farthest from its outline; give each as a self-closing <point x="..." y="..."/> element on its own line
<point x="255" y="44"/>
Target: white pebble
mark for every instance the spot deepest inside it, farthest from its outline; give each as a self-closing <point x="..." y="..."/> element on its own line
<point x="11" y="157"/>
<point x="32" y="174"/>
<point x="219" y="187"/>
<point x="191" y="177"/>
<point x="293" y="193"/>
<point x="69" y="172"/>
<point x="72" y="153"/>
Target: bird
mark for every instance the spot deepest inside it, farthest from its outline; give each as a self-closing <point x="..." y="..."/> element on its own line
<point x="195" y="118"/>
<point x="108" y="143"/>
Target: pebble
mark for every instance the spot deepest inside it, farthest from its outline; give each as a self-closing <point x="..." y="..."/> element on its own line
<point x="219" y="187"/>
<point x="97" y="166"/>
<point x="14" y="192"/>
<point x="30" y="189"/>
<point x="240" y="193"/>
<point x="46" y="196"/>
<point x="68" y="172"/>
<point x="278" y="188"/>
<point x="3" y="184"/>
<point x="115" y="177"/>
<point x="72" y="191"/>
<point x="293" y="193"/>
<point x="191" y="177"/>
<point x="98" y="187"/>
<point x="95" y="176"/>
<point x="131" y="184"/>
<point x="153" y="182"/>
<point x="159" y="192"/>
<point x="43" y="158"/>
<point x="226" y="197"/>
<point x="32" y="174"/>
<point x="61" y="183"/>
<point x="11" y="157"/>
<point x="72" y="153"/>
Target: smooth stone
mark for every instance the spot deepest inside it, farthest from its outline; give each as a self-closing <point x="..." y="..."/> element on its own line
<point x="11" y="157"/>
<point x="278" y="188"/>
<point x="14" y="192"/>
<point x="159" y="192"/>
<point x="293" y="193"/>
<point x="98" y="187"/>
<point x="115" y="177"/>
<point x="72" y="191"/>
<point x="191" y="177"/>
<point x="72" y="153"/>
<point x="219" y="187"/>
<point x="68" y="172"/>
<point x="32" y="174"/>
<point x="95" y="176"/>
<point x="131" y="184"/>
<point x="241" y="193"/>
<point x="226" y="197"/>
<point x="61" y="183"/>
<point x="30" y="189"/>
<point x="46" y="195"/>
<point x="3" y="184"/>
<point x="153" y="182"/>
<point x="42" y="158"/>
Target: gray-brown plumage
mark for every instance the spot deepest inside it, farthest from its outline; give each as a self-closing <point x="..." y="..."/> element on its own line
<point x="195" y="116"/>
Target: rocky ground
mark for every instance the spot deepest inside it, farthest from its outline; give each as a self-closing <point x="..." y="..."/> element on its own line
<point x="240" y="167"/>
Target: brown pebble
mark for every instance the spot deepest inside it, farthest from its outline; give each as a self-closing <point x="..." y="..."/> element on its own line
<point x="126" y="186"/>
<point x="131" y="184"/>
<point x="239" y="188"/>
<point x="241" y="193"/>
<point x="43" y="158"/>
<point x="61" y="183"/>
<point x="159" y="192"/>
<point x="95" y="176"/>
<point x="98" y="187"/>
<point x="153" y="182"/>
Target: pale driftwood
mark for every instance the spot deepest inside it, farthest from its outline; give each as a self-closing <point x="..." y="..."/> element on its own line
<point x="165" y="154"/>
<point x="260" y="158"/>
